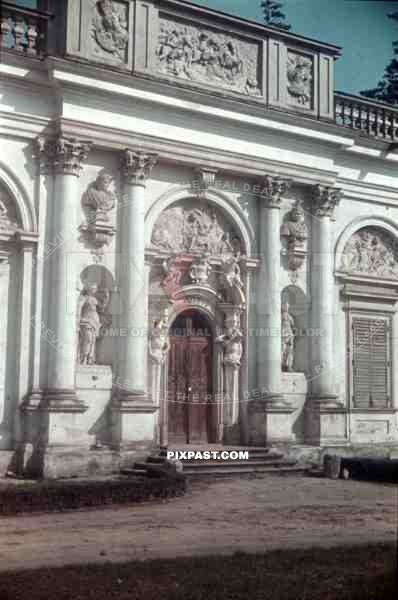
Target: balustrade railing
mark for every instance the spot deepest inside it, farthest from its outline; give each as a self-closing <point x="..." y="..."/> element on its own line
<point x="372" y="119"/>
<point x="23" y="30"/>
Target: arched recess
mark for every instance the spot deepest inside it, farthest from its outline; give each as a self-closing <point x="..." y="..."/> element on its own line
<point x="228" y="206"/>
<point x="18" y="239"/>
<point x="199" y="248"/>
<point x="99" y="281"/>
<point x="298" y="305"/>
<point x="358" y="224"/>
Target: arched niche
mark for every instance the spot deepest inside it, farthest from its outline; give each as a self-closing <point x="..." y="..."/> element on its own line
<point x="228" y="210"/>
<point x="299" y="306"/>
<point x="99" y="281"/>
<point x="368" y="249"/>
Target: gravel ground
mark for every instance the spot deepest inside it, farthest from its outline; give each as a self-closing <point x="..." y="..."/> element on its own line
<point x="219" y="517"/>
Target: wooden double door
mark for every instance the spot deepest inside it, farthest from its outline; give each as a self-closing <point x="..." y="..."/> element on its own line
<point x="190" y="405"/>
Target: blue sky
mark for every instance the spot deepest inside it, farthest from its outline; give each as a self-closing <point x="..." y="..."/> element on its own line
<point x="361" y="27"/>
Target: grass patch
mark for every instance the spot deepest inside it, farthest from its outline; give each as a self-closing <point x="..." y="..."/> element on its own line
<point x="56" y="496"/>
<point x="358" y="573"/>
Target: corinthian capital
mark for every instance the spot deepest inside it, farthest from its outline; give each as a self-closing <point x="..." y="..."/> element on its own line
<point x="58" y="154"/>
<point x="325" y="199"/>
<point x="273" y="189"/>
<point x="137" y="166"/>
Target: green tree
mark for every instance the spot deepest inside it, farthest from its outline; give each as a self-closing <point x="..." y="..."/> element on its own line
<point x="387" y="88"/>
<point x="273" y="15"/>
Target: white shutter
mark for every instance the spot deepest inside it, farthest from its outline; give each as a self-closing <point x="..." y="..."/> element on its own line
<point x="371" y="363"/>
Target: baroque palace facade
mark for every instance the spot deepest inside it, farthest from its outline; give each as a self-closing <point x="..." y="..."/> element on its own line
<point x="198" y="238"/>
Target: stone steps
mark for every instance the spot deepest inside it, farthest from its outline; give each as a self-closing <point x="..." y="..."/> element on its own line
<point x="262" y="461"/>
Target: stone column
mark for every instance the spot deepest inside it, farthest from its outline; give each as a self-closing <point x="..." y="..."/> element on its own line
<point x="268" y="410"/>
<point x="62" y="157"/>
<point x="323" y="408"/>
<point x="133" y="410"/>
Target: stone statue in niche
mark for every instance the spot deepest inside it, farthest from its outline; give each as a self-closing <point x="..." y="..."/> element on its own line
<point x="299" y="76"/>
<point x="207" y="56"/>
<point x="199" y="230"/>
<point x="288" y="336"/>
<point x="110" y="29"/>
<point x="296" y="231"/>
<point x="93" y="304"/>
<point x="98" y="201"/>
<point x="159" y="343"/>
<point x="372" y="252"/>
<point x="233" y="347"/>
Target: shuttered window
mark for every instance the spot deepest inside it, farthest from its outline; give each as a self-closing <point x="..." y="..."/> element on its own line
<point x="371" y="363"/>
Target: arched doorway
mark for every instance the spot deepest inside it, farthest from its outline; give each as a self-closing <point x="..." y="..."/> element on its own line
<point x="190" y="406"/>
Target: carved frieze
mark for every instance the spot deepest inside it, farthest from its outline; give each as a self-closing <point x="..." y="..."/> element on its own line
<point x="207" y="56"/>
<point x="110" y="29"/>
<point x="371" y="251"/>
<point x="193" y="229"/>
<point x="300" y="79"/>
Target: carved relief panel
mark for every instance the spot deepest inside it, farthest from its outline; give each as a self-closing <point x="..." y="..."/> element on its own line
<point x="372" y="252"/>
<point x="203" y="55"/>
<point x="104" y="33"/>
<point x="300" y="79"/>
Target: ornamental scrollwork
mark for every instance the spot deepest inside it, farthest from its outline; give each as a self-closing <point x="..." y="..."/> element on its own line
<point x="207" y="56"/>
<point x="371" y="251"/>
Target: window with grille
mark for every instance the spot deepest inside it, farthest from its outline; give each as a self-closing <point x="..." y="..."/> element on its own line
<point x="371" y="362"/>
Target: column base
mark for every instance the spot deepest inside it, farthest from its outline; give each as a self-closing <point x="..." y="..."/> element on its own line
<point x="53" y="416"/>
<point x="54" y="400"/>
<point x="270" y="421"/>
<point x="133" y="421"/>
<point x="325" y="421"/>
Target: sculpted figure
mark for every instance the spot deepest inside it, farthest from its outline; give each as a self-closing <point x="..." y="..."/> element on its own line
<point x="232" y="272"/>
<point x="99" y="198"/>
<point x="233" y="348"/>
<point x="299" y="75"/>
<point x="89" y="326"/>
<point x="110" y="30"/>
<point x="288" y="335"/>
<point x="298" y="230"/>
<point x="159" y="343"/>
